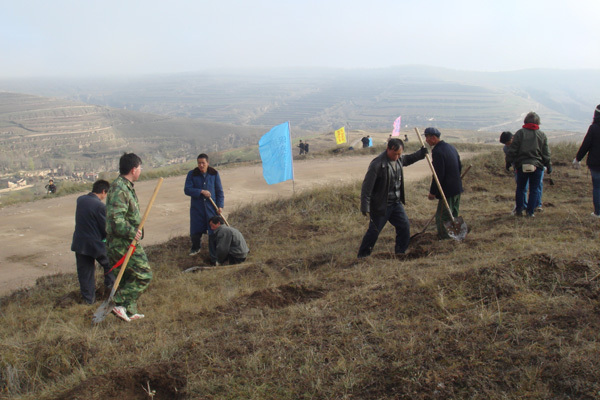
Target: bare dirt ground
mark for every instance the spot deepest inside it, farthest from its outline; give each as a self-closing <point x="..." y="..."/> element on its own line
<point x="36" y="237"/>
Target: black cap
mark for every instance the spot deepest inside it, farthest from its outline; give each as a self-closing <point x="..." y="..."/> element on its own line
<point x="432" y="131"/>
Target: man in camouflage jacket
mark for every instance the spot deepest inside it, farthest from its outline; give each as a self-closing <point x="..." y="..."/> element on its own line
<point x="122" y="219"/>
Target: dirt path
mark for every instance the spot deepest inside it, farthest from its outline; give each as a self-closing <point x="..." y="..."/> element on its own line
<point x="36" y="237"/>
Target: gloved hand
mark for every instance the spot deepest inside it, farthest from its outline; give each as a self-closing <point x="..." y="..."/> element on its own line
<point x="424" y="151"/>
<point x="576" y="164"/>
<point x="508" y="165"/>
<point x="549" y="168"/>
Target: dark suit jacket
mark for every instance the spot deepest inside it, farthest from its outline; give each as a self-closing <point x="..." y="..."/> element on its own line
<point x="90" y="226"/>
<point x="446" y="163"/>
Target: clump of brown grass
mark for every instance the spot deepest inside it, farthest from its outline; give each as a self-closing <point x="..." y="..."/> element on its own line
<point x="510" y="312"/>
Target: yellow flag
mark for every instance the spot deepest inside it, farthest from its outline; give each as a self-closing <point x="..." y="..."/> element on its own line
<point x="340" y="136"/>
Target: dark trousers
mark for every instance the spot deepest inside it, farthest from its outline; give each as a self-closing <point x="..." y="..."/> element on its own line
<point x="86" y="273"/>
<point x="212" y="246"/>
<point x="395" y="214"/>
<point x="235" y="260"/>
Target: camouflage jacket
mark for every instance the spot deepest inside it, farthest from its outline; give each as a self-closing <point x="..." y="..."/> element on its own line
<point x="122" y="214"/>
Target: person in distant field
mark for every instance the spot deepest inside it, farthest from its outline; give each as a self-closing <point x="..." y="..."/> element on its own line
<point x="447" y="166"/>
<point x="530" y="155"/>
<point x="122" y="221"/>
<point x="365" y="141"/>
<point x="305" y="147"/>
<point x="230" y="244"/>
<point x="50" y="187"/>
<point x="302" y="147"/>
<point x="591" y="147"/>
<point x="390" y="138"/>
<point x="382" y="196"/>
<point x="370" y="141"/>
<point x="202" y="184"/>
<point x="88" y="240"/>
<point x="405" y="138"/>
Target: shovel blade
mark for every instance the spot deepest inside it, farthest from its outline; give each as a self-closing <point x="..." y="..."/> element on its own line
<point x="102" y="311"/>
<point x="457" y="229"/>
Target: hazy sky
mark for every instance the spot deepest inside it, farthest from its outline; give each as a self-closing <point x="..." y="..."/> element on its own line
<point x="108" y="37"/>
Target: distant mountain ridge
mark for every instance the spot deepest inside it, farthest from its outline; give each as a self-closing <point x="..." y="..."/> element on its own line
<point x="320" y="100"/>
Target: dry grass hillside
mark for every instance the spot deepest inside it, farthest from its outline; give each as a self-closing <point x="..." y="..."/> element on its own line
<point x="511" y="312"/>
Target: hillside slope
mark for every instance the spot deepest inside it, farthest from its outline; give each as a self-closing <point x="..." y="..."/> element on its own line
<point x="318" y="100"/>
<point x="41" y="132"/>
<point x="511" y="312"/>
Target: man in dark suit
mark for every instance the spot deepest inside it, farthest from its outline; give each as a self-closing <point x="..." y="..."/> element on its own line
<point x="88" y="240"/>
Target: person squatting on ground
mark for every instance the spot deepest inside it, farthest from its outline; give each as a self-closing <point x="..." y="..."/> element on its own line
<point x="382" y="196"/>
<point x="529" y="153"/>
<point x="88" y="240"/>
<point x="123" y="218"/>
<point x="591" y="147"/>
<point x="447" y="166"/>
<point x="506" y="139"/>
<point x="230" y="244"/>
<point x="201" y="184"/>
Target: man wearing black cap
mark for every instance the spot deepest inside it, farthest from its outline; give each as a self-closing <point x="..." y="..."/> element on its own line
<point x="446" y="163"/>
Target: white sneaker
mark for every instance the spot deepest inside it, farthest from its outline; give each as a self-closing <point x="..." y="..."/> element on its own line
<point x="595" y="215"/>
<point x="194" y="252"/>
<point x="136" y="316"/>
<point x="120" y="312"/>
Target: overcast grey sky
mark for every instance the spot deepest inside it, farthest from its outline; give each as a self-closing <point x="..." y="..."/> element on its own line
<point x="89" y="37"/>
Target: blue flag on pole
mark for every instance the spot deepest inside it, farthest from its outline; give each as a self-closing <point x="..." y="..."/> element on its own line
<point x="275" y="149"/>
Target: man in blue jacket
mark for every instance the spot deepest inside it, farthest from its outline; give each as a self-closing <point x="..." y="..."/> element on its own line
<point x="382" y="196"/>
<point x="446" y="162"/>
<point x="202" y="184"/>
<point x="88" y="240"/>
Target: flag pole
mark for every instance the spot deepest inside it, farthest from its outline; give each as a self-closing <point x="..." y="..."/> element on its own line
<point x="292" y="152"/>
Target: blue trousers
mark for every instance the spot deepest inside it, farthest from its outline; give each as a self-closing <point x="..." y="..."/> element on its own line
<point x="534" y="180"/>
<point x="395" y="214"/>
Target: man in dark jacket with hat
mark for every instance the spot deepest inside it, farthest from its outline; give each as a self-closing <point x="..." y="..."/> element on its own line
<point x="88" y="240"/>
<point x="447" y="166"/>
<point x="202" y="184"/>
<point x="382" y="196"/>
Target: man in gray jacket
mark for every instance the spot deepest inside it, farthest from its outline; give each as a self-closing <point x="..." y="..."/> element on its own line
<point x="230" y="243"/>
<point x="529" y="153"/>
<point x="382" y="196"/>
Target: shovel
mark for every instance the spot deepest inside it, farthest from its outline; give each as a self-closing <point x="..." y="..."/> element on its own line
<point x="456" y="227"/>
<point x="432" y="218"/>
<point x="106" y="307"/>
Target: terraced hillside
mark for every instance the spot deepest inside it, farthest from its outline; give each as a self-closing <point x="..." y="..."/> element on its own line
<point x="318" y="100"/>
<point x="40" y="132"/>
